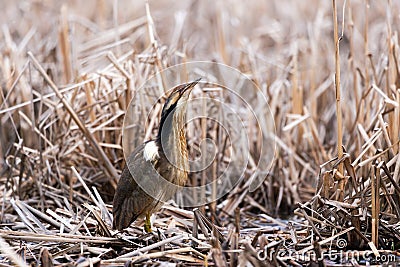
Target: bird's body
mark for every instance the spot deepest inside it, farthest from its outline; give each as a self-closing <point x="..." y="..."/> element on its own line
<point x="157" y="168"/>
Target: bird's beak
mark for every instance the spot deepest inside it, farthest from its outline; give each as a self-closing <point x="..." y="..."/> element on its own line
<point x="190" y="86"/>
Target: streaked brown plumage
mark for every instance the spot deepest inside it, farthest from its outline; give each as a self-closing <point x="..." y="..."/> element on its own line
<point x="155" y="168"/>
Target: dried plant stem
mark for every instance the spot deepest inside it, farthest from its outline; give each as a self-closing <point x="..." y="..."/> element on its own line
<point x="375" y="203"/>
<point x="366" y="51"/>
<point x="338" y="104"/>
<point x="297" y="97"/>
<point x="65" y="44"/>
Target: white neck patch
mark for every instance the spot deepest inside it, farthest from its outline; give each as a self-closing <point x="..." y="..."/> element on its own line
<point x="150" y="151"/>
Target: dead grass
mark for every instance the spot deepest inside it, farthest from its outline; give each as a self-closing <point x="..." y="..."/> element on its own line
<point x="68" y="72"/>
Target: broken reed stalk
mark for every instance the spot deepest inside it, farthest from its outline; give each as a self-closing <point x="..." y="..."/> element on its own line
<point x="341" y="184"/>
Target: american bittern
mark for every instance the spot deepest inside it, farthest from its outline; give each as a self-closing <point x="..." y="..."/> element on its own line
<point x="155" y="169"/>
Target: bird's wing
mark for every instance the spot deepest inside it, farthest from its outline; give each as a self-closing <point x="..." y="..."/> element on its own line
<point x="130" y="201"/>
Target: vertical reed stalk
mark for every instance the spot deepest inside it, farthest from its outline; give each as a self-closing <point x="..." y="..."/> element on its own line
<point x="338" y="104"/>
<point x="366" y="70"/>
<point x="297" y="92"/>
<point x="375" y="184"/>
<point x="65" y="44"/>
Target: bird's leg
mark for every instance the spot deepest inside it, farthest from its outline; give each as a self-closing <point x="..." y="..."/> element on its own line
<point x="147" y="223"/>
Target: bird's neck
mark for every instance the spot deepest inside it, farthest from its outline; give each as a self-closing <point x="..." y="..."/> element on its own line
<point x="172" y="140"/>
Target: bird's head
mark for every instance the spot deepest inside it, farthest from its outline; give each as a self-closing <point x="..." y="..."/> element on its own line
<point x="178" y="96"/>
<point x="175" y="105"/>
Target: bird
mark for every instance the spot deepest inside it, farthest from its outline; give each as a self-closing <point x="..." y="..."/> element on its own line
<point x="157" y="168"/>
